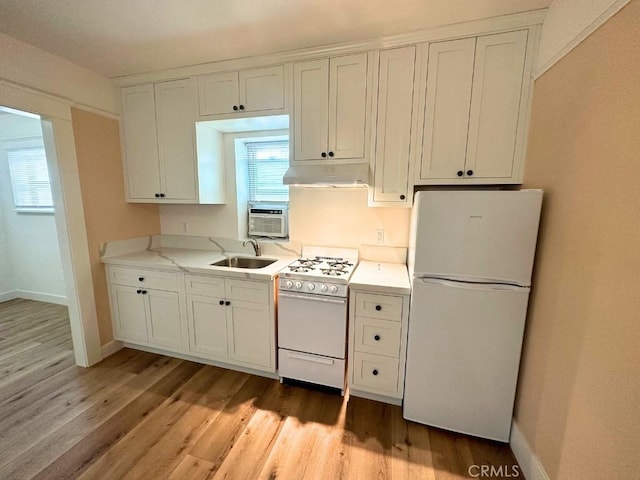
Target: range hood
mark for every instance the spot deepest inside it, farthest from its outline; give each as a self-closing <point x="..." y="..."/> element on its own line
<point x="343" y="174"/>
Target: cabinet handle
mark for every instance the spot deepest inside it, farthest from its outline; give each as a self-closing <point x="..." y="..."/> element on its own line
<point x="144" y="292"/>
<point x="323" y="155"/>
<point x="331" y="154"/>
<point x="402" y="197"/>
<point x="141" y="279"/>
<point x="227" y="302"/>
<point x="235" y="107"/>
<point x="375" y="372"/>
<point x="162" y="195"/>
<point x="460" y="173"/>
<point x="469" y="172"/>
<point x="221" y="302"/>
<point x="376" y="338"/>
<point x="378" y="307"/>
<point x="241" y="107"/>
<point x="157" y="195"/>
<point x="138" y="291"/>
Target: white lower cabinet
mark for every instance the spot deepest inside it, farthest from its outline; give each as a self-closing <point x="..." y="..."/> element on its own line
<point x="150" y="316"/>
<point x="377" y="345"/>
<point x="232" y="320"/>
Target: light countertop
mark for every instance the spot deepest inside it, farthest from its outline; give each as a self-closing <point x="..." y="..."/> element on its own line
<point x="381" y="277"/>
<point x="197" y="261"/>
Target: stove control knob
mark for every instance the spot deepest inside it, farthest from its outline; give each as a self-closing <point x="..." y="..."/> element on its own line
<point x="298" y="284"/>
<point x="324" y="288"/>
<point x="311" y="286"/>
<point x="334" y="289"/>
<point x="288" y="284"/>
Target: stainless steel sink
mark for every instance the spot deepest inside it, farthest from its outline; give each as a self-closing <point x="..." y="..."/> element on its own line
<point x="244" y="262"/>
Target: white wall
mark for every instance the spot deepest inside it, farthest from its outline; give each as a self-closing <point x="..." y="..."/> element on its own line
<point x="31" y="251"/>
<point x="568" y="22"/>
<point x="26" y="65"/>
<point x="7" y="281"/>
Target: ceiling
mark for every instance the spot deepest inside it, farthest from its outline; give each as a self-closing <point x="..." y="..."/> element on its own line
<point x="122" y="37"/>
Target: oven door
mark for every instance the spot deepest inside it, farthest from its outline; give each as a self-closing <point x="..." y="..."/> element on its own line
<point x="312" y="323"/>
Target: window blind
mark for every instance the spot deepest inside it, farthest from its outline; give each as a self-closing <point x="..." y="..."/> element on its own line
<point x="30" y="179"/>
<point x="267" y="163"/>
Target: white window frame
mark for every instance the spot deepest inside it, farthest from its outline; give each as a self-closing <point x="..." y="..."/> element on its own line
<point x="21" y="145"/>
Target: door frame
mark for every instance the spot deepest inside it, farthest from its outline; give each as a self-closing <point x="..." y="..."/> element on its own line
<point x="55" y="114"/>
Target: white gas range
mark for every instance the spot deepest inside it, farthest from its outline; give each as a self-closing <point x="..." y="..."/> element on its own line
<point x="312" y="316"/>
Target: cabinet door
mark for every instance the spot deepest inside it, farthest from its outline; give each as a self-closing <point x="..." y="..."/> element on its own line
<point x="175" y="113"/>
<point x="495" y="104"/>
<point x="262" y="89"/>
<point x="218" y="93"/>
<point x="248" y="333"/>
<point x="163" y="312"/>
<point x="393" y="126"/>
<point x="347" y="106"/>
<point x="310" y="105"/>
<point x="207" y="326"/>
<point x="446" y="111"/>
<point x="129" y="314"/>
<point x="140" y="141"/>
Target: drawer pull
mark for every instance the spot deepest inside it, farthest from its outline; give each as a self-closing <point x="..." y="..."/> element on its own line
<point x="144" y="292"/>
<point x="227" y="302"/>
<point x="138" y="291"/>
<point x="375" y="372"/>
<point x="376" y="338"/>
<point x="221" y="302"/>
<point x="378" y="307"/>
<point x="141" y="279"/>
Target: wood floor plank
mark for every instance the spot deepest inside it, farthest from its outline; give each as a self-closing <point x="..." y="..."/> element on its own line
<point x="139" y="415"/>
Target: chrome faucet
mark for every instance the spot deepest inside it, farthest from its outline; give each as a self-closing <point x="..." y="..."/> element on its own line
<point x="256" y="246"/>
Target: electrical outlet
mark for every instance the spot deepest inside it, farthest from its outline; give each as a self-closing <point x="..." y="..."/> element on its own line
<point x="379" y="235"/>
<point x="185" y="227"/>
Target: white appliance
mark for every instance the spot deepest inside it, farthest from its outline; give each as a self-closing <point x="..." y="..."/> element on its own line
<point x="268" y="221"/>
<point x="312" y="316"/>
<point x="470" y="261"/>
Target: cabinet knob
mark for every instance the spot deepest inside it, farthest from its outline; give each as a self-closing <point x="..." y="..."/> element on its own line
<point x="331" y="154"/>
<point x="144" y="292"/>
<point x="375" y="372"/>
<point x="235" y="108"/>
<point x="323" y="155"/>
<point x="157" y="195"/>
<point x="402" y="197"/>
<point x="460" y="173"/>
<point x="162" y="195"/>
<point x="227" y="302"/>
<point x="141" y="279"/>
<point x="241" y="107"/>
<point x="378" y="307"/>
<point x="376" y="338"/>
<point x="469" y="172"/>
<point x="221" y="302"/>
<point x="138" y="291"/>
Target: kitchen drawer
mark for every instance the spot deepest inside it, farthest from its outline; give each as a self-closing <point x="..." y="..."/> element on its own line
<point x="385" y="307"/>
<point x="204" y="285"/>
<point x="135" y="277"/>
<point x="311" y="368"/>
<point x="381" y="337"/>
<point x="247" y="291"/>
<point x="375" y="373"/>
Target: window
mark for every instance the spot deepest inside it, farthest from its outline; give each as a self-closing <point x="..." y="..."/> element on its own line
<point x="30" y="179"/>
<point x="267" y="163"/>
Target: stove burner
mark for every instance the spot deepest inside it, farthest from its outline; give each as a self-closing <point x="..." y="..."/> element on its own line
<point x="300" y="269"/>
<point x="332" y="272"/>
<point x="309" y="262"/>
<point x="340" y="264"/>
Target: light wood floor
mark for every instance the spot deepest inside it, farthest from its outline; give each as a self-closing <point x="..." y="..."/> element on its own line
<point x="145" y="416"/>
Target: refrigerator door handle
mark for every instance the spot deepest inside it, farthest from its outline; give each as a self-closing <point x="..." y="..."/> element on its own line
<point x="471" y="285"/>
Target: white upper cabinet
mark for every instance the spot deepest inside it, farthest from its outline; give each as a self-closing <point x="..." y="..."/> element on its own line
<point x="330" y="108"/>
<point x="475" y="107"/>
<point x="253" y="90"/>
<point x="164" y="161"/>
<point x="395" y="125"/>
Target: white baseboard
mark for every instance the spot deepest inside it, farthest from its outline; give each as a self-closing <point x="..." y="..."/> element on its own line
<point x="6" y="296"/>
<point x="41" y="297"/>
<point x="110" y="348"/>
<point x="529" y="463"/>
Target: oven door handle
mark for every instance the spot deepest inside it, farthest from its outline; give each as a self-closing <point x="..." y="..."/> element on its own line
<point x="315" y="298"/>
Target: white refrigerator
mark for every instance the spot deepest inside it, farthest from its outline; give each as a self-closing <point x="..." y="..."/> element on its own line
<point x="470" y="261"/>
